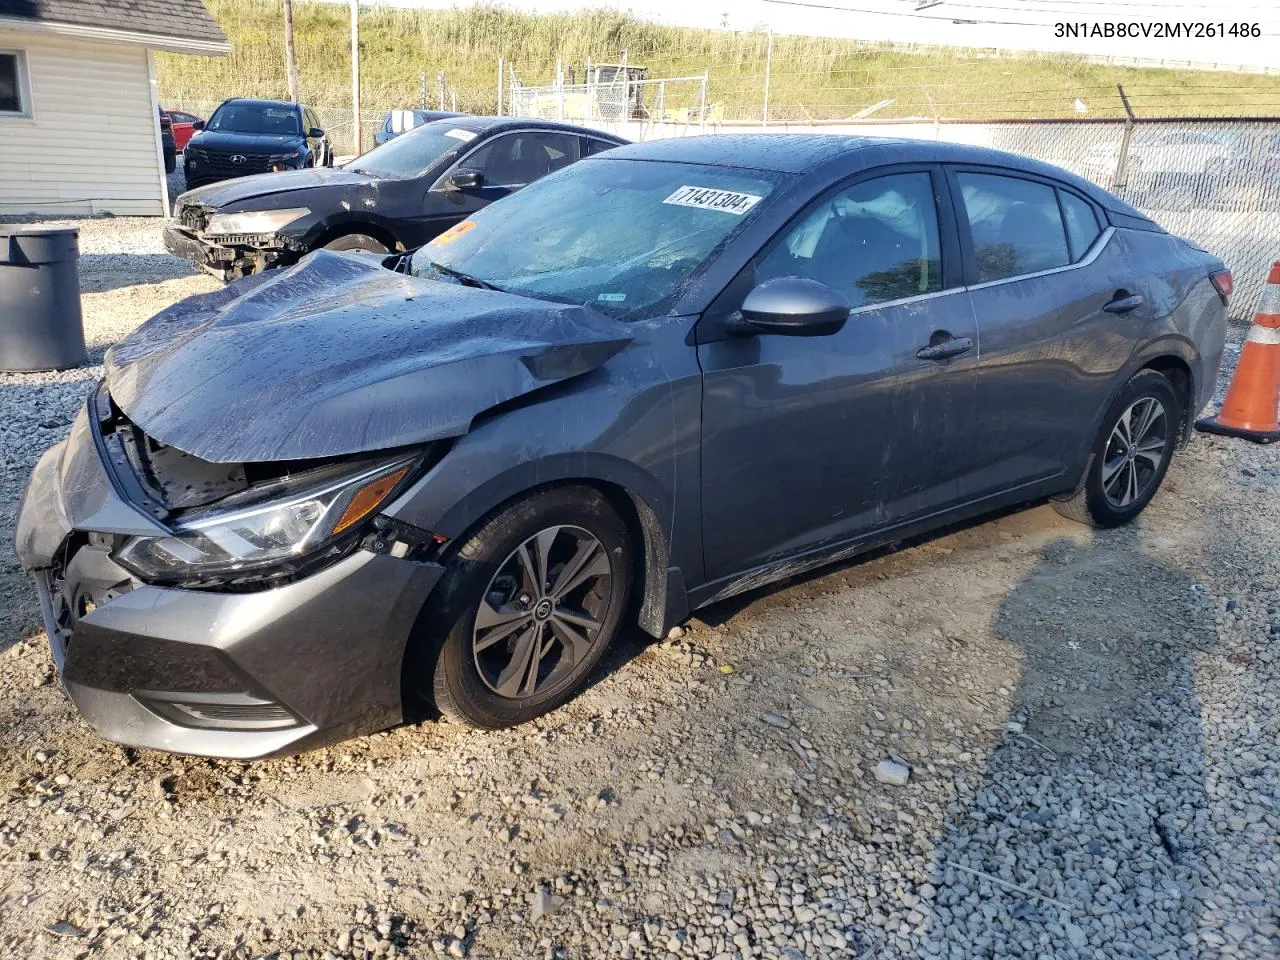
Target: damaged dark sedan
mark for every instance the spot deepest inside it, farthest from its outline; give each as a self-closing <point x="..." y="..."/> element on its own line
<point x="654" y="379"/>
<point x="395" y="197"/>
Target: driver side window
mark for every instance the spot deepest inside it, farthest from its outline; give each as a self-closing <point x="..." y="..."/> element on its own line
<point x="517" y="159"/>
<point x="874" y="241"/>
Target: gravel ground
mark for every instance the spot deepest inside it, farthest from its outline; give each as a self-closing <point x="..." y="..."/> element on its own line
<point x="1086" y="724"/>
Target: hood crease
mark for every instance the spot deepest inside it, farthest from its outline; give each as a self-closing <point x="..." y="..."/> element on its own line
<point x="338" y="355"/>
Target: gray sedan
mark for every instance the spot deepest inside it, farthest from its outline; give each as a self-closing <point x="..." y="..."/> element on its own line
<point x="649" y="381"/>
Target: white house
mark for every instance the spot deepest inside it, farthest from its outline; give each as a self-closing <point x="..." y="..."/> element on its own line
<point x="79" y="130"/>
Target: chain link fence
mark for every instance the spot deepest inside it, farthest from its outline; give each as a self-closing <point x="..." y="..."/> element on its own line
<point x="1215" y="182"/>
<point x="673" y="99"/>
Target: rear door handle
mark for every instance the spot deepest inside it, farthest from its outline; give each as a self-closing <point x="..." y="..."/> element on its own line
<point x="946" y="349"/>
<point x="1124" y="304"/>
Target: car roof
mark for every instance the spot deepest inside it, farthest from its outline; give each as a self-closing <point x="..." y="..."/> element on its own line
<point x="255" y="102"/>
<point x="499" y="124"/>
<point x="838" y="155"/>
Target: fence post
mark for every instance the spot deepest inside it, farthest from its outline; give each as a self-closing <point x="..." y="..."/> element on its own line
<point x="592" y="106"/>
<point x="1121" y="178"/>
<point x="768" y="68"/>
<point x="499" y="113"/>
<point x="702" y="109"/>
<point x="453" y="100"/>
<point x="422" y="89"/>
<point x="662" y="99"/>
<point x="559" y="89"/>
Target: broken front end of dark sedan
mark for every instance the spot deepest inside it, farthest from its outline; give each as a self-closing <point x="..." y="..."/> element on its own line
<point x="649" y="381"/>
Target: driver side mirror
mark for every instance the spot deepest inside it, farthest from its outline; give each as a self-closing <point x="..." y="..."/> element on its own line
<point x="794" y="306"/>
<point x="198" y="125"/>
<point x="315" y="133"/>
<point x="464" y="180"/>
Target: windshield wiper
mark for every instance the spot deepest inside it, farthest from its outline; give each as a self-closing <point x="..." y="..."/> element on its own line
<point x="464" y="278"/>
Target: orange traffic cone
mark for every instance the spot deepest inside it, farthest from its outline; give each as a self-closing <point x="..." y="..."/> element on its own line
<point x="1252" y="406"/>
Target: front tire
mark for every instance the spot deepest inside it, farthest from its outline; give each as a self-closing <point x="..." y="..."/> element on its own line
<point x="1130" y="455"/>
<point x="528" y="606"/>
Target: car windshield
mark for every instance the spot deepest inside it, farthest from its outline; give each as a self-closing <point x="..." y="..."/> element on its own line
<point x="255" y="118"/>
<point x="409" y="155"/>
<point x="620" y="235"/>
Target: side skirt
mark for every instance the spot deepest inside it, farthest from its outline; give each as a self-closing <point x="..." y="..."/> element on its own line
<point x="815" y="557"/>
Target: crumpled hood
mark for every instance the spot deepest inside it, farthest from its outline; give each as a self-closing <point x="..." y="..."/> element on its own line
<point x="338" y="355"/>
<point x="227" y="192"/>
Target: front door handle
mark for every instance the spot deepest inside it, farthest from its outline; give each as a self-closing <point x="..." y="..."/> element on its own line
<point x="1124" y="302"/>
<point x="945" y="349"/>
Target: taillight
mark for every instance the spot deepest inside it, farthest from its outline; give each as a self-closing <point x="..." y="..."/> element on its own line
<point x="1223" y="282"/>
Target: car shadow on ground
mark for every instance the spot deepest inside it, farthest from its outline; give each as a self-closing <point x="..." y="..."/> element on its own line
<point x="1090" y="827"/>
<point x="1120" y="796"/>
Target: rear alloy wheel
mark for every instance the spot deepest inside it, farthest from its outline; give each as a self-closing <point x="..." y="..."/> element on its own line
<point x="526" y="609"/>
<point x="357" y="241"/>
<point x="1131" y="454"/>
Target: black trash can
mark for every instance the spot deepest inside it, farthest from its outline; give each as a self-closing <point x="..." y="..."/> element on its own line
<point x="41" y="327"/>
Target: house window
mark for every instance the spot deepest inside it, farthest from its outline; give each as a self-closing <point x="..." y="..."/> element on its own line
<point x="15" y="98"/>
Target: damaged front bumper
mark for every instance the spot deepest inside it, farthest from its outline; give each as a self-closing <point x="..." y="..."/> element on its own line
<point x="237" y="675"/>
<point x="231" y="257"/>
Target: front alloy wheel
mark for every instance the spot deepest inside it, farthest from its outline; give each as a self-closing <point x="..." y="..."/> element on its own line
<point x="542" y="612"/>
<point x="527" y="607"/>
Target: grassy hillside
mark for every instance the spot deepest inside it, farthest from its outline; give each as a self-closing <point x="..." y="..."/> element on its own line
<point x="812" y="77"/>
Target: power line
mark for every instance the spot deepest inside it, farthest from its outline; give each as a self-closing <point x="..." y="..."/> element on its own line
<point x="894" y="13"/>
<point x="1100" y="3"/>
<point x="1149" y="5"/>
<point x="929" y="16"/>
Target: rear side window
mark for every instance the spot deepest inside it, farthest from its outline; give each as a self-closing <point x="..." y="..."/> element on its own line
<point x="591" y="146"/>
<point x="1082" y="224"/>
<point x="1016" y="225"/>
<point x="874" y="241"/>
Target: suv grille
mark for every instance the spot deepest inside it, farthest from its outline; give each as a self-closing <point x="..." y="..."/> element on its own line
<point x="221" y="164"/>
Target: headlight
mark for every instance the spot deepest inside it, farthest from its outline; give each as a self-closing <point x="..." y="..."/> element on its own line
<point x="255" y="221"/>
<point x="282" y="157"/>
<point x="266" y="539"/>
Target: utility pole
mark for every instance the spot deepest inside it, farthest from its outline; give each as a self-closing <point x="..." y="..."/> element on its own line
<point x="290" y="56"/>
<point x="768" y="69"/>
<point x="355" y="72"/>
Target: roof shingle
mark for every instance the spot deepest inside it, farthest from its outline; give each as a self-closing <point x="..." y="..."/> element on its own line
<point x="166" y="18"/>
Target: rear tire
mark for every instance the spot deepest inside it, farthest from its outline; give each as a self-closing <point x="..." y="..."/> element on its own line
<point x="1131" y="454"/>
<point x="536" y="651"/>
<point x="357" y="241"/>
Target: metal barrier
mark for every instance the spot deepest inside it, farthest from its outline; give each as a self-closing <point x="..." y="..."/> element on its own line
<point x="673" y="99"/>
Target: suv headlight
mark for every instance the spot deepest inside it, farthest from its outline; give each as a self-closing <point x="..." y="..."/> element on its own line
<point x="269" y="539"/>
<point x="254" y="221"/>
